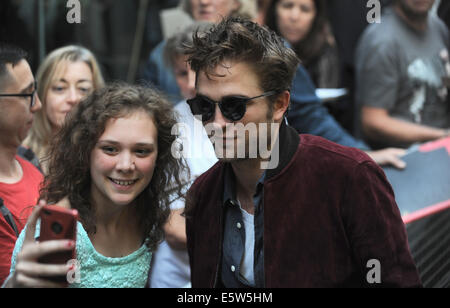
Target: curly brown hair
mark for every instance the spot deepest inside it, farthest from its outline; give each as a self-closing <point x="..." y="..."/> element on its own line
<point x="69" y="166"/>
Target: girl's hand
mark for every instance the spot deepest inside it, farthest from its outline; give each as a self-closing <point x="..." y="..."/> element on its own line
<point x="28" y="272"/>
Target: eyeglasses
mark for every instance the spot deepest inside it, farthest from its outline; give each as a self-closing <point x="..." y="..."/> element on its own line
<point x="32" y="95"/>
<point x="232" y="107"/>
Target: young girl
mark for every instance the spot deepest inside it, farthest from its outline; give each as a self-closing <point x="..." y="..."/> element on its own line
<point x="112" y="162"/>
<point x="65" y="77"/>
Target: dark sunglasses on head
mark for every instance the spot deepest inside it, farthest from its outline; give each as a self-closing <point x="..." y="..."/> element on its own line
<point x="232" y="107"/>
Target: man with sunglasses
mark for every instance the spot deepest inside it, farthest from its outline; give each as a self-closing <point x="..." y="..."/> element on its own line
<point x="319" y="217"/>
<point x="19" y="179"/>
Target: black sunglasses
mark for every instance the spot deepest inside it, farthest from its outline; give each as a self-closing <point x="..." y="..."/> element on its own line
<point x="32" y="95"/>
<point x="232" y="107"/>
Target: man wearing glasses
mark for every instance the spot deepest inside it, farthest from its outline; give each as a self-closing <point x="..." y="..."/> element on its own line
<point x="19" y="179"/>
<point x="321" y="217"/>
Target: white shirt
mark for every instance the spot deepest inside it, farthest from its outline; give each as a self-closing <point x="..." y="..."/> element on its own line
<point x="170" y="268"/>
<point x="248" y="259"/>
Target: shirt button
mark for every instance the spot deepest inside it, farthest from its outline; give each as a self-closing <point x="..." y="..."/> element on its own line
<point x="238" y="225"/>
<point x="233" y="269"/>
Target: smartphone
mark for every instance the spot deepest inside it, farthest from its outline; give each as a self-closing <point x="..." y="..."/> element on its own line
<point x="58" y="223"/>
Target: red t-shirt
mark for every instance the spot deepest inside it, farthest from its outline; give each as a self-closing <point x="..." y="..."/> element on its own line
<point x="19" y="198"/>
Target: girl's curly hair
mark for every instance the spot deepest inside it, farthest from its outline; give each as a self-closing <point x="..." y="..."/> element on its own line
<point x="69" y="165"/>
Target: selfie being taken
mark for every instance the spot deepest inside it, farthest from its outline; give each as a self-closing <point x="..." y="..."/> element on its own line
<point x="198" y="146"/>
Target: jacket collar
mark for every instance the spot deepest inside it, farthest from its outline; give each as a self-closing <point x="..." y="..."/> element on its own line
<point x="287" y="143"/>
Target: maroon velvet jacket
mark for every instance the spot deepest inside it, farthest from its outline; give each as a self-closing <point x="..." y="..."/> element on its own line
<point x="328" y="210"/>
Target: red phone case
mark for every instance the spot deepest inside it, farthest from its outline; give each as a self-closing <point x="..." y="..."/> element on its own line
<point x="58" y="223"/>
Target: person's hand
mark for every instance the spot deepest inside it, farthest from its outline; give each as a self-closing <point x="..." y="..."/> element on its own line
<point x="28" y="272"/>
<point x="390" y="156"/>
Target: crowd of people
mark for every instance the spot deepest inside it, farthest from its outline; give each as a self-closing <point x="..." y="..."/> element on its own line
<point x="161" y="206"/>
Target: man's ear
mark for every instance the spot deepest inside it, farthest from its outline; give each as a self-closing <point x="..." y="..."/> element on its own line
<point x="281" y="106"/>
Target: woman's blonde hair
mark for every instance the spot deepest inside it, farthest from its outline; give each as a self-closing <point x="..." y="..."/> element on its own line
<point x="247" y="8"/>
<point x="41" y="133"/>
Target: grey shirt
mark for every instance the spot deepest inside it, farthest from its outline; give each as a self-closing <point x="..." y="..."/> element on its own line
<point x="401" y="70"/>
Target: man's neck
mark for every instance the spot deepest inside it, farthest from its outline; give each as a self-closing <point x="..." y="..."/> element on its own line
<point x="247" y="174"/>
<point x="10" y="169"/>
<point x="417" y="23"/>
<point x="249" y="171"/>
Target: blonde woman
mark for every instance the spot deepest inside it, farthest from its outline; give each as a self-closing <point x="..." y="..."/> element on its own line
<point x="214" y="10"/>
<point x="65" y="77"/>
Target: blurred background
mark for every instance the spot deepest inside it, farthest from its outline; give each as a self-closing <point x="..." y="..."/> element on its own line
<point x="120" y="33"/>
